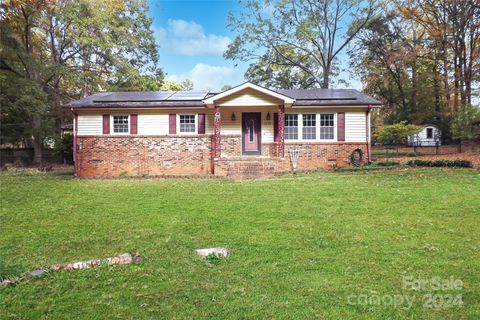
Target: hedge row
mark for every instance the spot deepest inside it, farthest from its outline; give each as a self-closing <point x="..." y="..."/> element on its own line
<point x="440" y="163"/>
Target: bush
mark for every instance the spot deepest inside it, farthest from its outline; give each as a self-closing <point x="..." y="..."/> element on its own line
<point x="64" y="148"/>
<point x="387" y="163"/>
<point x="440" y="163"/>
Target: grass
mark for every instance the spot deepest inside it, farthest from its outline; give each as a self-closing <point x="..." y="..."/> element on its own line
<point x="301" y="246"/>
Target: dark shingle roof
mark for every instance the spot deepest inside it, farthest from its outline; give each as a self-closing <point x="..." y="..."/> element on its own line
<point x="309" y="97"/>
<point x="166" y="99"/>
<point x="148" y="99"/>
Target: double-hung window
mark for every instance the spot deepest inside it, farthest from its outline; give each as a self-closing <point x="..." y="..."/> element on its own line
<point x="187" y="123"/>
<point x="120" y="124"/>
<point x="309" y="128"/>
<point x="327" y="123"/>
<point x="291" y="126"/>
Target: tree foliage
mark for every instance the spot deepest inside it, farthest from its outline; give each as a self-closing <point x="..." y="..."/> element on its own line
<point x="466" y="124"/>
<point x="55" y="51"/>
<point x="422" y="58"/>
<point x="396" y="134"/>
<point x="296" y="43"/>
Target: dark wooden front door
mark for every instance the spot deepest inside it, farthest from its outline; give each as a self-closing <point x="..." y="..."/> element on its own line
<point x="251" y="129"/>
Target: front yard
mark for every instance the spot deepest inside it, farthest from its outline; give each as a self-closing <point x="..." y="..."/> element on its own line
<point x="325" y="245"/>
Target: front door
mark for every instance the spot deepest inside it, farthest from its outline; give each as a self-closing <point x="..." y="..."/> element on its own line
<point x="251" y="129"/>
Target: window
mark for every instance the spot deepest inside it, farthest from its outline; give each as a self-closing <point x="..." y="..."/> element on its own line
<point x="187" y="123"/>
<point x="309" y="127"/>
<point x="120" y="124"/>
<point x="291" y="126"/>
<point x="429" y="133"/>
<point x="327" y="126"/>
<point x="251" y="129"/>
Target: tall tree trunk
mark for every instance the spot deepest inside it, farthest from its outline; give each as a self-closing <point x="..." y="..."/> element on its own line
<point x="436" y="84"/>
<point x="86" y="66"/>
<point x="37" y="140"/>
<point x="326" y="77"/>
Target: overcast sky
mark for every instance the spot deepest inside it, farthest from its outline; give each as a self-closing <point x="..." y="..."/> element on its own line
<point x="193" y="36"/>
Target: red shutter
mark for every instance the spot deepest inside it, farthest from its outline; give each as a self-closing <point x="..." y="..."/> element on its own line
<point x="106" y="124"/>
<point x="275" y="126"/>
<point x="133" y="124"/>
<point x="341" y="126"/>
<point x="172" y="124"/>
<point x="201" y="123"/>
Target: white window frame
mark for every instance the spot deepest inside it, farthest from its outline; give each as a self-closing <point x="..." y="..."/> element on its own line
<point x="298" y="128"/>
<point x="112" y="128"/>
<point x="426" y="133"/>
<point x="317" y="127"/>
<point x="187" y="114"/>
<point x="335" y="127"/>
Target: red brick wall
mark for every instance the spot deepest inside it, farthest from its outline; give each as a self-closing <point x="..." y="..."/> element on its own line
<point x="143" y="155"/>
<point x="319" y="155"/>
<point x="102" y="156"/>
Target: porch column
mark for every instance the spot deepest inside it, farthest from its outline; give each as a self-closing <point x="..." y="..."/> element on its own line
<point x="216" y="131"/>
<point x="281" y="131"/>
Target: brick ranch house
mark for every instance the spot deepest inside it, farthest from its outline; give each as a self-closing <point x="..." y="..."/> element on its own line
<point x="246" y="131"/>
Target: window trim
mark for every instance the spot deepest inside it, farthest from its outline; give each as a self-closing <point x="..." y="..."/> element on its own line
<point x="195" y="124"/>
<point x="335" y="126"/>
<point x="317" y="124"/>
<point x="426" y="133"/>
<point x="298" y="127"/>
<point x="317" y="127"/>
<point x="112" y="127"/>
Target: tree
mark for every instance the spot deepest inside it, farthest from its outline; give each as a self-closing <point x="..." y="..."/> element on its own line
<point x="65" y="50"/>
<point x="422" y="58"/>
<point x="466" y="124"/>
<point x="187" y="85"/>
<point x="398" y="133"/>
<point x="24" y="116"/>
<point x="171" y="86"/>
<point x="226" y="87"/>
<point x="304" y="35"/>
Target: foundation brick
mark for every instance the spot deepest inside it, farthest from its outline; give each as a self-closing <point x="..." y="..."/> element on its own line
<point x="110" y="156"/>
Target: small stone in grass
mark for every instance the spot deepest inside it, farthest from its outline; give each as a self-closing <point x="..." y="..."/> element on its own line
<point x="38" y="272"/>
<point x="216" y="251"/>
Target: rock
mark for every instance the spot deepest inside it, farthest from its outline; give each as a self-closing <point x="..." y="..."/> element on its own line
<point x="223" y="252"/>
<point x="38" y="272"/>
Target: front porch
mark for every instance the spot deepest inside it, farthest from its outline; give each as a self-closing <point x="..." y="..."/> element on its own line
<point x="248" y="131"/>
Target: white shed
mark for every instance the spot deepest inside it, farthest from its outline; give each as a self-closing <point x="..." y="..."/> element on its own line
<point x="429" y="136"/>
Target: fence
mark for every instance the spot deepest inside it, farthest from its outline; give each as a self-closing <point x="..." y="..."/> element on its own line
<point x="382" y="151"/>
<point x="25" y="156"/>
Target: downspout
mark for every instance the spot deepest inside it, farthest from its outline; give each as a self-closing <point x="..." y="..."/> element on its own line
<point x="369" y="144"/>
<point x="75" y="128"/>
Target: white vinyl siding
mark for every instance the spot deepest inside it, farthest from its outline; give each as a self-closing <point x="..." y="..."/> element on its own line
<point x="152" y="124"/>
<point x="355" y="127"/>
<point x="249" y="98"/>
<point x="90" y="125"/>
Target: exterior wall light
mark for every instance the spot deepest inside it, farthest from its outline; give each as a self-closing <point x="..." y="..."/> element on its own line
<point x="233" y="116"/>
<point x="268" y="116"/>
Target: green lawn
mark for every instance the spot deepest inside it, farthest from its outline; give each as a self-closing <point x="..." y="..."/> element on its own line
<point x="301" y="246"/>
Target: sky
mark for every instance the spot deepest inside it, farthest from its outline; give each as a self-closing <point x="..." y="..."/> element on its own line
<point x="193" y="34"/>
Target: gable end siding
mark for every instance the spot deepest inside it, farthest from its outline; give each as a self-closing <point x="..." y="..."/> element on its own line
<point x="355" y="127"/>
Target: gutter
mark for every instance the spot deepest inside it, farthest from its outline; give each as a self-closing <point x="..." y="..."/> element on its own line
<point x="75" y="128"/>
<point x="369" y="143"/>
